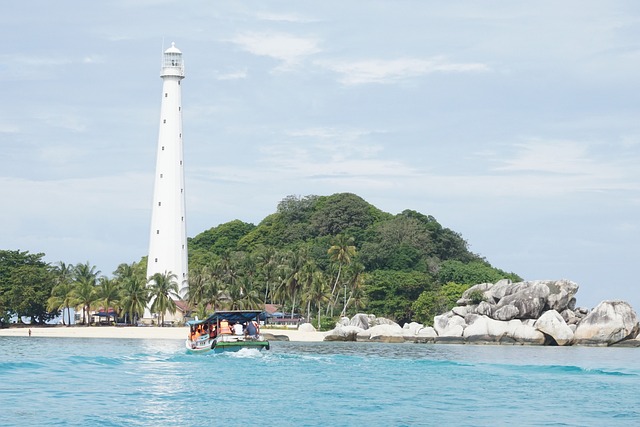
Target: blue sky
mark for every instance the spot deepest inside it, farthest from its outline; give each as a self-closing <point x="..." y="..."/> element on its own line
<point x="514" y="123"/>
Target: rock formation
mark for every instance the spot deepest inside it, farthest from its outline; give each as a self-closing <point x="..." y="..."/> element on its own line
<point x="541" y="312"/>
<point x="609" y="323"/>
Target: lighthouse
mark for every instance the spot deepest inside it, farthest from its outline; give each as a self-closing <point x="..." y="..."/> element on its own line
<point x="168" y="237"/>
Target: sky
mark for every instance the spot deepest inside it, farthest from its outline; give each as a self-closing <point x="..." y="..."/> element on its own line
<point x="516" y="124"/>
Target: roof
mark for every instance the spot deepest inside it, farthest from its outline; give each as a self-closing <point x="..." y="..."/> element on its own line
<point x="231" y="316"/>
<point x="183" y="306"/>
<point x="270" y="308"/>
<point x="172" y="49"/>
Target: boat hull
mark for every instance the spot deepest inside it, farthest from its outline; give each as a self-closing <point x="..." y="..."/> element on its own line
<point x="198" y="347"/>
<point x="223" y="346"/>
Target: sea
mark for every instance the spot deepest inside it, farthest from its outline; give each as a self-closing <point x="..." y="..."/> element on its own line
<point x="121" y="382"/>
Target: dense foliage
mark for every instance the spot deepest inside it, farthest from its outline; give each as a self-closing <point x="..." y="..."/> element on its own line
<point x="26" y="282"/>
<point x="320" y="256"/>
<point x="330" y="255"/>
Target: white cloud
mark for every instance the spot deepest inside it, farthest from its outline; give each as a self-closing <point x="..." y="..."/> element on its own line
<point x="283" y="17"/>
<point x="93" y="59"/>
<point x="9" y="128"/>
<point x="92" y="210"/>
<point x="390" y="71"/>
<point x="338" y="144"/>
<point x="287" y="48"/>
<point x="558" y="167"/>
<point x="69" y="121"/>
<point x="30" y="67"/>
<point x="559" y="157"/>
<point x="234" y="75"/>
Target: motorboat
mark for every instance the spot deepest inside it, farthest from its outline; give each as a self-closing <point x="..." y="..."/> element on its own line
<point x="230" y="330"/>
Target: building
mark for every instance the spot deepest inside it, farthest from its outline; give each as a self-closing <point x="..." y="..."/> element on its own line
<point x="168" y="236"/>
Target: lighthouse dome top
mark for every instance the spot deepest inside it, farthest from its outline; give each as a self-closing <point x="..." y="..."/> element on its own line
<point x="172" y="63"/>
<point x="172" y="49"/>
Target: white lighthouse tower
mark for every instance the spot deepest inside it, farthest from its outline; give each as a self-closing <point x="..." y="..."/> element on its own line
<point x="168" y="239"/>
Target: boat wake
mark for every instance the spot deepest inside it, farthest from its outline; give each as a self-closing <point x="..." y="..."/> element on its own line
<point x="245" y="353"/>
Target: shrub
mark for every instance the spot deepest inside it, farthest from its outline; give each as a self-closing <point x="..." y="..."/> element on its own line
<point x="476" y="296"/>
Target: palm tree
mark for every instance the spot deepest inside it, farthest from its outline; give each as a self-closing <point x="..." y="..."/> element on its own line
<point x="268" y="262"/>
<point x="341" y="253"/>
<point x="234" y="296"/>
<point x="164" y="287"/>
<point x="108" y="294"/>
<point x="85" y="277"/>
<point x="250" y="296"/>
<point x="293" y="276"/>
<point x="84" y="295"/>
<point x="134" y="296"/>
<point x="195" y="292"/>
<point x="61" y="299"/>
<point x="132" y="289"/>
<point x="62" y="293"/>
<point x="316" y="294"/>
<point x="214" y="287"/>
<point x="355" y="283"/>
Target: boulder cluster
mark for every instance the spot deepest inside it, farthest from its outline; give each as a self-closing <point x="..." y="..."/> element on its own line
<point x="367" y="327"/>
<point x="541" y="312"/>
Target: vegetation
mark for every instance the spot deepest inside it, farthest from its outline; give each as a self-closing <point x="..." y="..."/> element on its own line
<point x="320" y="256"/>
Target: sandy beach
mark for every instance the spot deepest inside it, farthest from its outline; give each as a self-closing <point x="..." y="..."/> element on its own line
<point x="177" y="333"/>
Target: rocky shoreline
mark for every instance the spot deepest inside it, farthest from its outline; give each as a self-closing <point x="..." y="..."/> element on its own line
<point x="541" y="312"/>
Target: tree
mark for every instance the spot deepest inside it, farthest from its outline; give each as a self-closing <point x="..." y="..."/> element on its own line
<point x="355" y="284"/>
<point x="26" y="282"/>
<point x="223" y="238"/>
<point x="164" y="287"/>
<point x="85" y="277"/>
<point x="214" y="286"/>
<point x="472" y="273"/>
<point x="197" y="286"/>
<point x="134" y="296"/>
<point x="108" y="295"/>
<point x="316" y="294"/>
<point x="63" y="290"/>
<point x="343" y="213"/>
<point x="432" y="303"/>
<point x="292" y="278"/>
<point x="393" y="292"/>
<point x="267" y="263"/>
<point x="340" y="253"/>
<point x="62" y="299"/>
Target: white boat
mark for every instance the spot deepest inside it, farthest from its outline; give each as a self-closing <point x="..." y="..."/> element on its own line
<point x="226" y="331"/>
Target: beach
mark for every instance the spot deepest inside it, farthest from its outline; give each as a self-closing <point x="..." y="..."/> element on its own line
<point x="133" y="332"/>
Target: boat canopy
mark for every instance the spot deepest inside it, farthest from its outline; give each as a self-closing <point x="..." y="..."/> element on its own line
<point x="233" y="316"/>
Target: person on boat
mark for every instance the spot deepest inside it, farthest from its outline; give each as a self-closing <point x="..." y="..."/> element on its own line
<point x="238" y="329"/>
<point x="224" y="327"/>
<point x="251" y="330"/>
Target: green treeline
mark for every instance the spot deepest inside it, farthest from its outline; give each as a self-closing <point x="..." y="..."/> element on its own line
<point x="320" y="256"/>
<point x="323" y="256"/>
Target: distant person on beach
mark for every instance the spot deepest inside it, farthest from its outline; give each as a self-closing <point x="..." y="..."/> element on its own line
<point x="29" y="331"/>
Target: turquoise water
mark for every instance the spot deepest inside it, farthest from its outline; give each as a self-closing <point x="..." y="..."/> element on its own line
<point x="57" y="381"/>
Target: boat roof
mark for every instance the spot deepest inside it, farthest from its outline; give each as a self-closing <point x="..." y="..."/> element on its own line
<point x="231" y="316"/>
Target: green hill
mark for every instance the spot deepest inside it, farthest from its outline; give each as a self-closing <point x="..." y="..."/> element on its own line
<point x="317" y="254"/>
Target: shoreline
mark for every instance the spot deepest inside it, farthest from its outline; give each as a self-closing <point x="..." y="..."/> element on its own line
<point x="134" y="332"/>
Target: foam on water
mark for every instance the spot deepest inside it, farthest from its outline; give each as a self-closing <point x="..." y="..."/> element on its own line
<point x="138" y="382"/>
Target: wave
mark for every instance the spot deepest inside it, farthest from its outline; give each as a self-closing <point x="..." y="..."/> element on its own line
<point x="563" y="369"/>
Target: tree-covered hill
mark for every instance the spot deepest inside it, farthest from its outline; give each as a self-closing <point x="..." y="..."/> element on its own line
<point x="323" y="255"/>
<point x="317" y="256"/>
